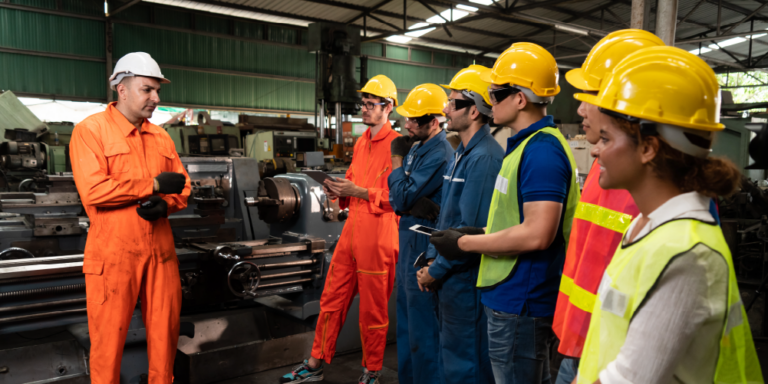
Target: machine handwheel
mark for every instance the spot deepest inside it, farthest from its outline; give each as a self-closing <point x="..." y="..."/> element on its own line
<point x="248" y="275"/>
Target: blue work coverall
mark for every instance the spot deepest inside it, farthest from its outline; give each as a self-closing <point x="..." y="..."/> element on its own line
<point x="417" y="328"/>
<point x="467" y="190"/>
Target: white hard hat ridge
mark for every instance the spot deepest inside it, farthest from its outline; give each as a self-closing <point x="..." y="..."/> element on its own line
<point x="138" y="64"/>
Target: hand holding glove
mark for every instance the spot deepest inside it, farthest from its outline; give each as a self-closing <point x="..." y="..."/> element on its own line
<point x="401" y="146"/>
<point x="425" y="208"/>
<point x="170" y="182"/>
<point x="153" y="209"/>
<point x="447" y="244"/>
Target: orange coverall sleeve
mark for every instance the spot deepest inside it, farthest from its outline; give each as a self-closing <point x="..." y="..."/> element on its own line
<point x="177" y="202"/>
<point x="90" y="170"/>
<point x="378" y="197"/>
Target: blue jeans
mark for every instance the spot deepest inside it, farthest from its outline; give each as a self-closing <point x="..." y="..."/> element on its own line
<point x="518" y="347"/>
<point x="568" y="370"/>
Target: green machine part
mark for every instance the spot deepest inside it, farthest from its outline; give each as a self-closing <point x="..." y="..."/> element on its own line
<point x="259" y="145"/>
<point x="180" y="134"/>
<point x="57" y="158"/>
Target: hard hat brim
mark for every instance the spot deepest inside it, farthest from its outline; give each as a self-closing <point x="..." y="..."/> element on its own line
<point x="594" y="100"/>
<point x="448" y="87"/>
<point x="162" y="80"/>
<point x="575" y="77"/>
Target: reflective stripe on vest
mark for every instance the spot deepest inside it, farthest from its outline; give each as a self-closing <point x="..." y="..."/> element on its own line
<point x="604" y="217"/>
<point x="632" y="274"/>
<point x="504" y="210"/>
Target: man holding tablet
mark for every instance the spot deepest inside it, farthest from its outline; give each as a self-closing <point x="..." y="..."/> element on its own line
<point x="466" y="197"/>
<point x="365" y="255"/>
<point x="414" y="193"/>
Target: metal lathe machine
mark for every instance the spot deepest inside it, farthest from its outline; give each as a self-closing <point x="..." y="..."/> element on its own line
<point x="253" y="254"/>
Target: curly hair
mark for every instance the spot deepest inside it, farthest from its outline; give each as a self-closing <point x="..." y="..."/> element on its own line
<point x="710" y="176"/>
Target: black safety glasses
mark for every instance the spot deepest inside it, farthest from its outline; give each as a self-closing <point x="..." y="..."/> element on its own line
<point x="421" y="120"/>
<point x="498" y="95"/>
<point x="457" y="104"/>
<point x="369" y="106"/>
<point x="647" y="129"/>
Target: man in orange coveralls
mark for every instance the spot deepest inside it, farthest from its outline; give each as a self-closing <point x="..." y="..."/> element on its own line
<point x="130" y="178"/>
<point x="366" y="254"/>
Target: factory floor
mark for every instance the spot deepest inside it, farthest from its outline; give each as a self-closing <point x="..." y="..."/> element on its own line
<point x="345" y="369"/>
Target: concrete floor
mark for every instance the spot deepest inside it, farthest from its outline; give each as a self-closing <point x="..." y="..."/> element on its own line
<point x="344" y="370"/>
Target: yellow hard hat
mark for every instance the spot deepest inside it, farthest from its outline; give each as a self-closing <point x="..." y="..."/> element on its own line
<point x="606" y="54"/>
<point x="665" y="85"/>
<point x="526" y="65"/>
<point x="468" y="79"/>
<point x="425" y="99"/>
<point x="381" y="86"/>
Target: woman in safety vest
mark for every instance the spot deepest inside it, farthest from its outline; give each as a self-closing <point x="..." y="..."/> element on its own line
<point x="668" y="308"/>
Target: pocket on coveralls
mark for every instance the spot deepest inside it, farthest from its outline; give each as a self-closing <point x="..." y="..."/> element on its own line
<point x="117" y="157"/>
<point x="95" y="286"/>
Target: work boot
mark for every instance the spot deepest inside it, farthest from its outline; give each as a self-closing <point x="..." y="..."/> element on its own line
<point x="369" y="377"/>
<point x="303" y="374"/>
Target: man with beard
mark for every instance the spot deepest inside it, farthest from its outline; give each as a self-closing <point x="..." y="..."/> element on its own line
<point x="365" y="255"/>
<point x="466" y="198"/>
<point x="414" y="188"/>
<point x="130" y="179"/>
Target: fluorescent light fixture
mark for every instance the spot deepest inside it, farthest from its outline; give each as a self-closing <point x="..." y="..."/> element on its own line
<point x="398" y="39"/>
<point x="727" y="43"/>
<point x="703" y="50"/>
<point x="420" y="33"/>
<point x="418" y="25"/>
<point x="568" y="28"/>
<point x="493" y="55"/>
<point x="757" y="36"/>
<point x="447" y="15"/>
<point x="466" y="8"/>
<point x="483" y="2"/>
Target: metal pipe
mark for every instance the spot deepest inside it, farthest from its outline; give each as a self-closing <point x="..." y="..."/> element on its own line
<point x="638" y="11"/>
<point x="288" y="264"/>
<point x="322" y="118"/>
<point x="339" y="118"/>
<point x="37" y="316"/>
<point x="666" y="21"/>
<point x="27" y="307"/>
<point x="286" y="274"/>
<point x="262" y="286"/>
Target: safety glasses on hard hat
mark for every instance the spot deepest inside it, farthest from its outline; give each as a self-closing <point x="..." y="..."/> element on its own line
<point x="369" y="106"/>
<point x="646" y="128"/>
<point x="421" y="120"/>
<point x="457" y="104"/>
<point x="498" y="95"/>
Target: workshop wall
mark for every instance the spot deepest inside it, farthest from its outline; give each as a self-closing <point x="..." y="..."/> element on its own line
<point x="57" y="49"/>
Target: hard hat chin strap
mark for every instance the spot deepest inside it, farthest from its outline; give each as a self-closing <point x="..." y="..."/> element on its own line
<point x="692" y="142"/>
<point x="120" y="76"/>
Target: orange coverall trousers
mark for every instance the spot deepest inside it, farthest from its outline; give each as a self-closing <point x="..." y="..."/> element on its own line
<point x="126" y="257"/>
<point x="365" y="256"/>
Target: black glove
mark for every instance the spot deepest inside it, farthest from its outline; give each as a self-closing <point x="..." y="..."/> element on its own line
<point x="401" y="146"/>
<point x="469" y="230"/>
<point x="425" y="208"/>
<point x="153" y="209"/>
<point x="170" y="182"/>
<point x="447" y="244"/>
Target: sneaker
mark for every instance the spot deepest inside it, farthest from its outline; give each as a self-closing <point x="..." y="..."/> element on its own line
<point x="369" y="377"/>
<point x="303" y="374"/>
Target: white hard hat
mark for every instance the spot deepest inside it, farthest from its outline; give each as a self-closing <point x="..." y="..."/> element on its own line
<point x="137" y="64"/>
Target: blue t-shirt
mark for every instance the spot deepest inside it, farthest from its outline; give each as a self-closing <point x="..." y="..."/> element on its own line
<point x="544" y="175"/>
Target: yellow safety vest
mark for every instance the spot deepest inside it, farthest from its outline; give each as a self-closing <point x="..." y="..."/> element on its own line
<point x="633" y="272"/>
<point x="504" y="211"/>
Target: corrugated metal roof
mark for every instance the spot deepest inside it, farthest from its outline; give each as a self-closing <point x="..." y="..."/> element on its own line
<point x="488" y="33"/>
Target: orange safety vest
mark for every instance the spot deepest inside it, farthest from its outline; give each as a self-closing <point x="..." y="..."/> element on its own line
<point x="601" y="218"/>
